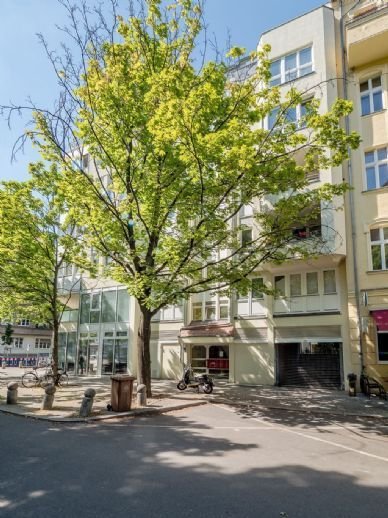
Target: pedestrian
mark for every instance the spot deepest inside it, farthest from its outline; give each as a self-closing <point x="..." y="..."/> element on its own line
<point x="81" y="363"/>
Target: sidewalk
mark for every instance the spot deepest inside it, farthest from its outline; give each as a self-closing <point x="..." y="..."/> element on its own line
<point x="166" y="397"/>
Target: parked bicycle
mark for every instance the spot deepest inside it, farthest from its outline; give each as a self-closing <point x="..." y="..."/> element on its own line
<point x="35" y="379"/>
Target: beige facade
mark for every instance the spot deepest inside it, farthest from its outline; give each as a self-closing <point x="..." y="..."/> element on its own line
<point x="313" y="331"/>
<point x="365" y="41"/>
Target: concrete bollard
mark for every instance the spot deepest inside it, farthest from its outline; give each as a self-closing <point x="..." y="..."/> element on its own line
<point x="141" y="395"/>
<point x="87" y="403"/>
<point x="48" y="398"/>
<point x="12" y="393"/>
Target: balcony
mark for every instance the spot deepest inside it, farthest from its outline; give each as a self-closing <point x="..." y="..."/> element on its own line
<point x="367" y="33"/>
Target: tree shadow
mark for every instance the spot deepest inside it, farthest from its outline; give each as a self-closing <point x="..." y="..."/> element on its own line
<point x="168" y="466"/>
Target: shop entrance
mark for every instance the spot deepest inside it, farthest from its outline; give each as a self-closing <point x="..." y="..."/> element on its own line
<point x="88" y="354"/>
<point x="211" y="359"/>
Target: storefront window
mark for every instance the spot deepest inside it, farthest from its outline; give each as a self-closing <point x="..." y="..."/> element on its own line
<point x="122" y="306"/>
<point x="70" y="353"/>
<point x="382" y="339"/>
<point x="108" y="306"/>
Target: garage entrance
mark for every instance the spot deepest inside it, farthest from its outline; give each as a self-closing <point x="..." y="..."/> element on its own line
<point x="309" y="364"/>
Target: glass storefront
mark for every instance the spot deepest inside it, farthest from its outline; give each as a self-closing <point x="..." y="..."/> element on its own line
<point x="66" y="351"/>
<point x="115" y="352"/>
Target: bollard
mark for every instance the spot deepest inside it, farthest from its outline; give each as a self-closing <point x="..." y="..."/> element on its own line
<point x="48" y="398"/>
<point x="12" y="393"/>
<point x="141" y="395"/>
<point x="87" y="403"/>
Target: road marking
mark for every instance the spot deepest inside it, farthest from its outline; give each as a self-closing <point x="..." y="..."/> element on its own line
<point x="236" y="429"/>
<point x="317" y="439"/>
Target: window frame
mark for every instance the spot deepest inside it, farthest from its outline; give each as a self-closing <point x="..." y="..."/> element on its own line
<point x="383" y="244"/>
<point x="375" y="165"/>
<point x="282" y="78"/>
<point x="369" y="93"/>
<point x="383" y="362"/>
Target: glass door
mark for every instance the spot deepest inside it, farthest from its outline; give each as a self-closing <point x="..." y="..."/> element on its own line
<point x="107" y="355"/>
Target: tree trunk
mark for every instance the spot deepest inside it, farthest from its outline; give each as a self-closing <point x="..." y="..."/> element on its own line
<point x="143" y="350"/>
<point x="55" y="350"/>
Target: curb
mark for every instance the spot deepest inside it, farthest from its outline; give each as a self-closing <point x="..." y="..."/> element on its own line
<point x="131" y="413"/>
<point x="293" y="409"/>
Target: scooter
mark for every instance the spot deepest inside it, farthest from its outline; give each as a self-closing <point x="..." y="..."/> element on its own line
<point x="202" y="380"/>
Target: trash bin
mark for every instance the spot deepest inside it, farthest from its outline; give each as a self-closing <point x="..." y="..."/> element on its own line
<point x="121" y="393"/>
<point x="352" y="378"/>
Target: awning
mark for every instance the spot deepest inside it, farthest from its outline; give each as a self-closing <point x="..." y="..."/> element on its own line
<point x="381" y="319"/>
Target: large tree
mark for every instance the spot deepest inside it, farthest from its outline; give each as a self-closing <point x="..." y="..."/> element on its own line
<point x="36" y="241"/>
<point x="157" y="154"/>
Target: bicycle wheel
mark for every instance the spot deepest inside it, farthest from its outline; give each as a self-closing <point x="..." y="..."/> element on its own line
<point x="30" y="379"/>
<point x="63" y="379"/>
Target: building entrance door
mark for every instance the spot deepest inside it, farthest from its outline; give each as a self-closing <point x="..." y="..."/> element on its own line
<point x="87" y="354"/>
<point x="210" y="359"/>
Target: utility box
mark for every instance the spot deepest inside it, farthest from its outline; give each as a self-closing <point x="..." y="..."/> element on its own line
<point x="121" y="392"/>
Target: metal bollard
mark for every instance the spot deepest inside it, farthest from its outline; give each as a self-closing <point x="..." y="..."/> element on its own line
<point x="141" y="396"/>
<point x="87" y="403"/>
<point x="12" y="393"/>
<point x="48" y="398"/>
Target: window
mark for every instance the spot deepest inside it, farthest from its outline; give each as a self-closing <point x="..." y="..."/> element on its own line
<point x="17" y="342"/>
<point x="296" y="285"/>
<point x="294" y="114"/>
<point x="252" y="302"/>
<point x="379" y="248"/>
<point x="171" y="312"/>
<point x="95" y="305"/>
<point x="24" y="322"/>
<point x="312" y="283"/>
<point x="382" y="345"/>
<point x="246" y="237"/>
<point x="309" y="225"/>
<point x="329" y="282"/>
<point x="280" y="285"/>
<point x="371" y="96"/>
<point x="376" y="168"/>
<point x="206" y="307"/>
<point x="42" y="343"/>
<point x="291" y="66"/>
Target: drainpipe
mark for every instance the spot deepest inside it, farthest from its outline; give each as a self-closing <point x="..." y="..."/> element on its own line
<point x="350" y="177"/>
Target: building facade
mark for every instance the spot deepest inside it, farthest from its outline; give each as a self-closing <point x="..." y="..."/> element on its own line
<point x="30" y="344"/>
<point x="330" y="315"/>
<point x="363" y="33"/>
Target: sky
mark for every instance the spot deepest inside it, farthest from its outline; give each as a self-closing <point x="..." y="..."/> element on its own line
<point x="26" y="73"/>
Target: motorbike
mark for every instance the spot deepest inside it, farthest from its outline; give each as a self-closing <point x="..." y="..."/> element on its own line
<point x="190" y="380"/>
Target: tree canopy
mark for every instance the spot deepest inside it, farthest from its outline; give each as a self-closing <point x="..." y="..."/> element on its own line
<point x="156" y="155"/>
<point x="34" y="247"/>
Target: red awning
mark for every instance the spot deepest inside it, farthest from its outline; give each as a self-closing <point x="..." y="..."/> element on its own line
<point x="381" y="319"/>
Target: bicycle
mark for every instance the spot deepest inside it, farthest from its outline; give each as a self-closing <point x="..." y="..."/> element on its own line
<point x="33" y="379"/>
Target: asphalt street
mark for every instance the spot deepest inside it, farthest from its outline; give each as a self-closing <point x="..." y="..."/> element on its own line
<point x="212" y="460"/>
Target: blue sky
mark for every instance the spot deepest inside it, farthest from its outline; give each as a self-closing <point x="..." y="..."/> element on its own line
<point x="25" y="71"/>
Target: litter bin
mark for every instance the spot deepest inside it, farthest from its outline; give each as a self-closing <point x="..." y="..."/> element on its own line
<point x="352" y="378"/>
<point x="121" y="393"/>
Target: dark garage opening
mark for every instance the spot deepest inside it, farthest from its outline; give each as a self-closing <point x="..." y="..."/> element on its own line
<point x="309" y="365"/>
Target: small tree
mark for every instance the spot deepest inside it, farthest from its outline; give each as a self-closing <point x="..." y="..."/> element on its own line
<point x="175" y="151"/>
<point x="34" y="246"/>
<point x="7" y="336"/>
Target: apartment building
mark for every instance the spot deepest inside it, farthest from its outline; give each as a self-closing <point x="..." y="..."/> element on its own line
<point x="363" y="33"/>
<point x="330" y="316"/>
<point x="30" y="343"/>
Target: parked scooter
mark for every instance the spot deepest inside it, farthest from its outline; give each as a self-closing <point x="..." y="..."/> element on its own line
<point x="202" y="381"/>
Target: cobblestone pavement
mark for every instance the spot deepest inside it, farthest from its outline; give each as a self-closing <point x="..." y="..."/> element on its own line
<point x="166" y="396"/>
